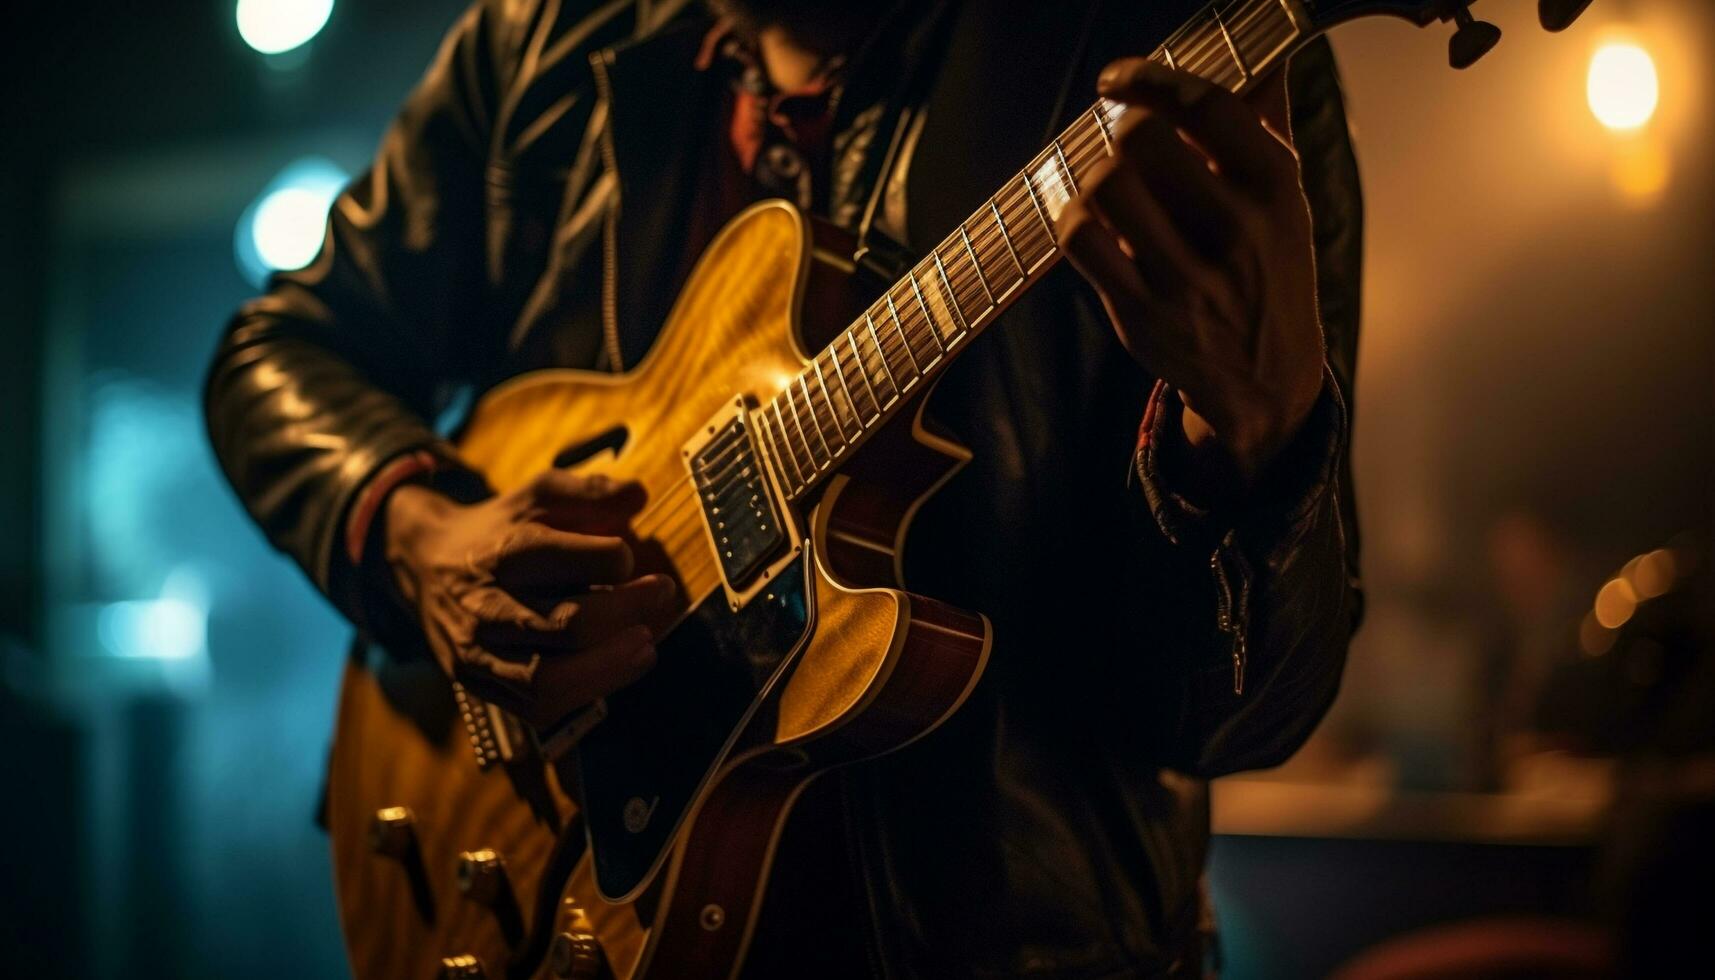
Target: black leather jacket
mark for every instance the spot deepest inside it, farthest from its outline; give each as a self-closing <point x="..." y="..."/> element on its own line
<point x="1058" y="824"/>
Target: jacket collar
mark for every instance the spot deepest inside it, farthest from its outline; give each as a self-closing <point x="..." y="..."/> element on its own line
<point x="661" y="114"/>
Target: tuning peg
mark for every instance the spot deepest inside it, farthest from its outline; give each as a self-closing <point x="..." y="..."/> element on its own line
<point x="1558" y="15"/>
<point x="1472" y="40"/>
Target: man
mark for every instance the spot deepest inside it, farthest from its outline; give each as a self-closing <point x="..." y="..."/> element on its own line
<point x="1170" y="602"/>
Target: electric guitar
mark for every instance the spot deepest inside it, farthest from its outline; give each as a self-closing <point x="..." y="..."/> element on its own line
<point x="781" y="482"/>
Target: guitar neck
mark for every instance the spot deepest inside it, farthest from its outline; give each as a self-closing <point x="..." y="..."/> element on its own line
<point x="908" y="336"/>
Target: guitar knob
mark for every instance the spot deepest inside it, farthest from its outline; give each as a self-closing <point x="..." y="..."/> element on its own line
<point x="392" y="833"/>
<point x="576" y="956"/>
<point x="482" y="877"/>
<point x="462" y="967"/>
<point x="1473" y="39"/>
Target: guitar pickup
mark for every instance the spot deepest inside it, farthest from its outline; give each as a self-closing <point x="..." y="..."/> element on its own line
<point x="745" y="526"/>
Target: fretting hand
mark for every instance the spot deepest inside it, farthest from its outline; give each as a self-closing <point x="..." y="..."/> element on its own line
<point x="1197" y="236"/>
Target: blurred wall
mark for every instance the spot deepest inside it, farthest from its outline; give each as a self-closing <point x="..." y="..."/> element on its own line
<point x="167" y="683"/>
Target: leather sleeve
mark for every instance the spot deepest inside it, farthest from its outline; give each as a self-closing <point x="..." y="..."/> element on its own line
<point x="334" y="371"/>
<point x="1283" y="567"/>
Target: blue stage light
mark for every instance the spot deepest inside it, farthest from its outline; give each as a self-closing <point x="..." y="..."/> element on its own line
<point x="274" y="26"/>
<point x="284" y="227"/>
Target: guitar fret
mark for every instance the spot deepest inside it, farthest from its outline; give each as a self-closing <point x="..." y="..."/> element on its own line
<point x="952" y="295"/>
<point x="846" y="387"/>
<point x="900" y="326"/>
<point x="1040" y="214"/>
<point x="803" y="433"/>
<point x="815" y="420"/>
<point x="1102" y="127"/>
<point x="981" y="277"/>
<point x="1065" y="167"/>
<point x="792" y="452"/>
<point x="863" y="373"/>
<point x="828" y="400"/>
<point x="1226" y="35"/>
<point x="1022" y="274"/>
<point x="927" y="316"/>
<point x="1291" y="15"/>
<point x="821" y="379"/>
<point x="1167" y="56"/>
<point x="772" y="443"/>
<point x="876" y="339"/>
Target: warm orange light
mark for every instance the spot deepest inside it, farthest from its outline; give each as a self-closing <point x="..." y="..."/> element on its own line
<point x="1641" y="171"/>
<point x="1615" y="603"/>
<point x="1594" y="638"/>
<point x="1653" y="574"/>
<point x="1622" y="87"/>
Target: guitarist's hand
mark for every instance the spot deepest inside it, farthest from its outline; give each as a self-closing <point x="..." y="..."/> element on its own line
<point x="528" y="598"/>
<point x="1197" y="236"/>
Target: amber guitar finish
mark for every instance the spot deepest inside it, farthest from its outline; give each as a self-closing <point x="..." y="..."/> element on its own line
<point x="780" y="486"/>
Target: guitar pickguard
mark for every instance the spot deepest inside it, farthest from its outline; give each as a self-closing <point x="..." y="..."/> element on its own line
<point x="642" y="767"/>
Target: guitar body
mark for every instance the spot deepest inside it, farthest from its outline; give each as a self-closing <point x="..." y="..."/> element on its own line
<point x="684" y="788"/>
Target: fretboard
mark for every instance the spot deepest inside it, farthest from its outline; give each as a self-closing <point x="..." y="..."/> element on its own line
<point x="907" y="337"/>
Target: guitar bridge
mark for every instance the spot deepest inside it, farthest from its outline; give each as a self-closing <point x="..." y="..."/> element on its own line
<point x="748" y="530"/>
<point x="495" y="736"/>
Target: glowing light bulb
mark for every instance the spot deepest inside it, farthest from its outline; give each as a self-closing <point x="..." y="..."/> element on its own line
<point x="274" y="26"/>
<point x="1622" y="86"/>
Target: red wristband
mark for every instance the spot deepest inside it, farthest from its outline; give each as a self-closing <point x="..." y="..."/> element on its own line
<point x="1151" y="411"/>
<point x="368" y="504"/>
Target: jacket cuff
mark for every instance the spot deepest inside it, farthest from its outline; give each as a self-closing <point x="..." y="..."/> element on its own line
<point x="1274" y="510"/>
<point x="358" y="577"/>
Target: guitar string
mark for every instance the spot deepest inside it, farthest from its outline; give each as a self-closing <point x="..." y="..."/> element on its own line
<point x="1085" y="147"/>
<point x="964" y="275"/>
<point x="913" y="325"/>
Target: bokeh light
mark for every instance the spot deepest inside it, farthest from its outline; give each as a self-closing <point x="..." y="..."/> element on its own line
<point x="1615" y="603"/>
<point x="275" y="26"/>
<point x="1622" y="87"/>
<point x="284" y="227"/>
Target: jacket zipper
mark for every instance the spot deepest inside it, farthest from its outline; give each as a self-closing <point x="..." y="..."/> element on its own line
<point x="610" y="223"/>
<point x="1232" y="612"/>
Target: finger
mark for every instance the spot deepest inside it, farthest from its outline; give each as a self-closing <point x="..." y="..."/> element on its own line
<point x="1228" y="130"/>
<point x="535" y="559"/>
<point x="1143" y="326"/>
<point x="592" y="502"/>
<point x="1117" y="194"/>
<point x="1204" y="209"/>
<point x="562" y="685"/>
<point x="585" y="620"/>
<point x="490" y="606"/>
<point x="1096" y="253"/>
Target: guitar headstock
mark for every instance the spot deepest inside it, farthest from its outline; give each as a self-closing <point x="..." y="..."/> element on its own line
<point x="1471" y="38"/>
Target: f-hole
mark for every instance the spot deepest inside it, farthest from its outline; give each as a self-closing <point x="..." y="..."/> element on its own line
<point x="613" y="439"/>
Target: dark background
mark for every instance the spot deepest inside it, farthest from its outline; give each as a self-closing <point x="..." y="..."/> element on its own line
<point x="1537" y="348"/>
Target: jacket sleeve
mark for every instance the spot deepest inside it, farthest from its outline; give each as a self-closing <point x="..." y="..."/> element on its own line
<point x="319" y="383"/>
<point x="1283" y="566"/>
